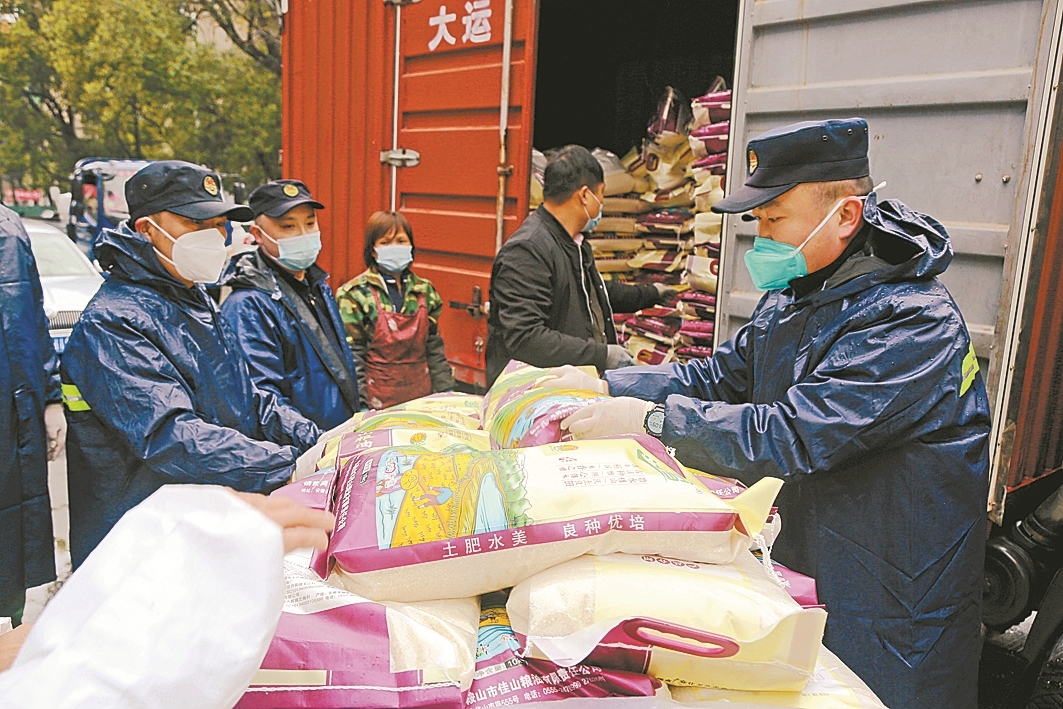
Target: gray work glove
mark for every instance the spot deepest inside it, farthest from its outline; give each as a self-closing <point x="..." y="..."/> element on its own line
<point x="618" y="357"/>
<point x="665" y="294"/>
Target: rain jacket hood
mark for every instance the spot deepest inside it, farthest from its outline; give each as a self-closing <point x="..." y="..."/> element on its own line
<point x="160" y="393"/>
<point x="864" y="397"/>
<point x="302" y="358"/>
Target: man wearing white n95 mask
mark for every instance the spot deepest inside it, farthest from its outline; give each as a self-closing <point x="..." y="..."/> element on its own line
<point x="156" y="388"/>
<point x="284" y="313"/>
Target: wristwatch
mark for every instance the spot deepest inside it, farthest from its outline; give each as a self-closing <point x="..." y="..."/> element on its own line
<point x="654" y="423"/>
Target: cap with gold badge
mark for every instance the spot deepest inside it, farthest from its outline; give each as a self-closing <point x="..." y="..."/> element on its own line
<point x="182" y="188"/>
<point x="278" y="197"/>
<point x="784" y="157"/>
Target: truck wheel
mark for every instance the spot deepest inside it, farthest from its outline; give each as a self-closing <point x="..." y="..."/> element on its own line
<point x="1048" y="690"/>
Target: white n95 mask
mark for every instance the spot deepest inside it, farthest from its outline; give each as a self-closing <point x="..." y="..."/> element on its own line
<point x="199" y="256"/>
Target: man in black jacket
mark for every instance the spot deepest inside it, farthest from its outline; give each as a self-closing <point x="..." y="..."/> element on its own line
<point x="549" y="304"/>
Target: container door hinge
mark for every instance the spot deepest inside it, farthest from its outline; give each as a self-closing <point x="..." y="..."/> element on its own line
<point x="401" y="3"/>
<point x="400" y="157"/>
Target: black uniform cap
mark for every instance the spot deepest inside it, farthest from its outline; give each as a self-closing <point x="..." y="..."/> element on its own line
<point x="182" y="188"/>
<point x="812" y="151"/>
<point x="280" y="196"/>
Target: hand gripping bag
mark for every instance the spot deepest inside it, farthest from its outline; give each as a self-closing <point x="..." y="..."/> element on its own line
<point x="833" y="686"/>
<point x="415" y="526"/>
<point x="334" y="650"/>
<point x="504" y="677"/>
<point x="717" y="625"/>
<point x="518" y="415"/>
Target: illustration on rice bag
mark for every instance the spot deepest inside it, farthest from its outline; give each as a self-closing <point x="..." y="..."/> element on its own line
<point x="730" y="626"/>
<point x="464" y="428"/>
<point x="333" y="649"/>
<point x="462" y="409"/>
<point x="504" y="677"/>
<point x="412" y="525"/>
<point x="518" y="415"/>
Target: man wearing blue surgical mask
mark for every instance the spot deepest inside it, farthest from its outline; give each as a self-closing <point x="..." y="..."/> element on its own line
<point x="549" y="304"/>
<point x="284" y="312"/>
<point x="855" y="382"/>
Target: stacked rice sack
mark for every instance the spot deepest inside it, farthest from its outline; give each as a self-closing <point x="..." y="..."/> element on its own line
<point x="628" y="571"/>
<point x="658" y="227"/>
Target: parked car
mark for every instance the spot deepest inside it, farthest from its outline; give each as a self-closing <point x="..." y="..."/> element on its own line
<point x="68" y="278"/>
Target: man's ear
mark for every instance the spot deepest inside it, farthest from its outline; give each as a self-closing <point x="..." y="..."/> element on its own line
<point x="851" y="216"/>
<point x="142" y="226"/>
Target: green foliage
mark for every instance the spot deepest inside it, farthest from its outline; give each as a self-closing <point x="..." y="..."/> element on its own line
<point x="127" y="78"/>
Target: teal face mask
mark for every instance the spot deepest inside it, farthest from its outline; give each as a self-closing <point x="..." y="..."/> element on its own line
<point x="297" y="253"/>
<point x="773" y="264"/>
<point x="592" y="222"/>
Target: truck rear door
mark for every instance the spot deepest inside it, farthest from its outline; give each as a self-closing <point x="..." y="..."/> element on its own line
<point x="450" y="93"/>
<point x="954" y="95"/>
<point x="947" y="89"/>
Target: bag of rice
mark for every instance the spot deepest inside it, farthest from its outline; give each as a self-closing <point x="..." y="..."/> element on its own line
<point x="333" y="649"/>
<point x="414" y="526"/>
<point x="686" y="623"/>
<point x="461" y="409"/>
<point x="518" y="415"/>
<point x="833" y="686"/>
<point x="400" y="429"/>
<point x="504" y="677"/>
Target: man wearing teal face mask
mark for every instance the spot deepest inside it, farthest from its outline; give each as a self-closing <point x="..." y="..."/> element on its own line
<point x="855" y="382"/>
<point x="284" y="312"/>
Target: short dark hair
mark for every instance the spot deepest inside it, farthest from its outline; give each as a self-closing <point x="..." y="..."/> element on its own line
<point x="569" y="169"/>
<point x="381" y="224"/>
<point x="831" y="192"/>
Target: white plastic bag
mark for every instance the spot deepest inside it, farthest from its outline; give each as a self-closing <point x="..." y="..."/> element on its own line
<point x="173" y="610"/>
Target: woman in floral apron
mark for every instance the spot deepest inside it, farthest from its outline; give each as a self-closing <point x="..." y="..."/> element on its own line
<point x="391" y="316"/>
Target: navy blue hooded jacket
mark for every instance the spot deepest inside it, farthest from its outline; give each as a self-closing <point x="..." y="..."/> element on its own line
<point x="29" y="379"/>
<point x="282" y="352"/>
<point x="164" y="397"/>
<point x="864" y="398"/>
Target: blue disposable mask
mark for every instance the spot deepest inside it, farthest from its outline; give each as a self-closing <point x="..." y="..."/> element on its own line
<point x="394" y="258"/>
<point x="297" y="253"/>
<point x="592" y="222"/>
<point x="773" y="264"/>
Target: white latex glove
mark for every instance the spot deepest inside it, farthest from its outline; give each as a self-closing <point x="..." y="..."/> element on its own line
<point x="307" y="462"/>
<point x="618" y="356"/>
<point x="665" y="294"/>
<point x="55" y="427"/>
<point x="612" y="417"/>
<point x="569" y="377"/>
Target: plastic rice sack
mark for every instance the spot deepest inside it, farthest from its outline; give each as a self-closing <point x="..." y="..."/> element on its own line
<point x="333" y="649"/>
<point x="702" y="273"/>
<point x="716" y="625"/>
<point x="503" y="677"/>
<point x="427" y="434"/>
<point x="519" y="415"/>
<point x="618" y="180"/>
<point x="461" y="409"/>
<point x="411" y="526"/>
<point x="833" y="686"/>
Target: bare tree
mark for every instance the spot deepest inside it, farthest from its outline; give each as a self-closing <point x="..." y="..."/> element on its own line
<point x="254" y="26"/>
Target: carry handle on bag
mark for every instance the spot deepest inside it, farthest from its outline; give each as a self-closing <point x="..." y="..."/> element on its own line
<point x="636" y="629"/>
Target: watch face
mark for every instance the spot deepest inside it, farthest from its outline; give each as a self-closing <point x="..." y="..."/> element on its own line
<point x="655" y="422"/>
